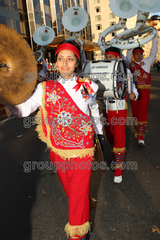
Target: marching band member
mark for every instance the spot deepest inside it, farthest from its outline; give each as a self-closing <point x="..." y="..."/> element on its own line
<point x="155" y="21"/>
<point x="140" y="68"/>
<point x="66" y="105"/>
<point x="42" y="70"/>
<point x="116" y="115"/>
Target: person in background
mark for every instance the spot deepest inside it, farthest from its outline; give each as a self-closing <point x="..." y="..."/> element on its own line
<point x="115" y="111"/>
<point x="41" y="70"/>
<point x="142" y="78"/>
<point x="158" y="66"/>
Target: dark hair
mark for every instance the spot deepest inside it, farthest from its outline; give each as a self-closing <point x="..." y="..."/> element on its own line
<point x="113" y="49"/>
<point x="39" y="65"/>
<point x="154" y="17"/>
<point x="137" y="48"/>
<point x="73" y="43"/>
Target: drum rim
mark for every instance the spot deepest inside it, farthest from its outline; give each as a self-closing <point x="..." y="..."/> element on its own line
<point x="125" y="72"/>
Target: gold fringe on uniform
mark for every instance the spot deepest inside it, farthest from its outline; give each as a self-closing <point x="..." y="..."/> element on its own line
<point x="141" y="134"/>
<point x="79" y="230"/>
<point x="65" y="154"/>
<point x="138" y="123"/>
<point x="147" y="86"/>
<point x="116" y="150"/>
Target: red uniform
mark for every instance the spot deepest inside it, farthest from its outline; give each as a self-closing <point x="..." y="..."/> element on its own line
<point x="115" y="129"/>
<point x="69" y="134"/>
<point x="142" y="80"/>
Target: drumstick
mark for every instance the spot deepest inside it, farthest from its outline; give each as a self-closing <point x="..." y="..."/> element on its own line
<point x="131" y="78"/>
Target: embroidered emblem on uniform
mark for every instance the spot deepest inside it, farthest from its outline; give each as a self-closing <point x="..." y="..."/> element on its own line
<point x="69" y="127"/>
<point x="64" y="118"/>
<point x="145" y="76"/>
<point x="86" y="90"/>
<point x="142" y="64"/>
<point x="86" y="93"/>
<point x="86" y="127"/>
<point x="136" y="73"/>
<point x="52" y="97"/>
<point x="59" y="140"/>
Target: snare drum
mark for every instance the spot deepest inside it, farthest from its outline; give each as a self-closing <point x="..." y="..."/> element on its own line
<point x="110" y="75"/>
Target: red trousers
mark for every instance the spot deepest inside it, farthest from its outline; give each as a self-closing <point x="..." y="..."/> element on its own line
<point x="140" y="111"/>
<point x="115" y="127"/>
<point x="75" y="178"/>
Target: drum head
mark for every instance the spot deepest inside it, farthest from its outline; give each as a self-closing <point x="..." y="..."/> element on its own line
<point x="120" y="85"/>
<point x="110" y="75"/>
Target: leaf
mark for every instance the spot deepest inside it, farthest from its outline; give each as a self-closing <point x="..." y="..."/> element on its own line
<point x="155" y="229"/>
<point x="94" y="200"/>
<point x="43" y="192"/>
<point x="142" y="211"/>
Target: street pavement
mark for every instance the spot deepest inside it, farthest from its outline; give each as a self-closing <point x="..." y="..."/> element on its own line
<point x="33" y="204"/>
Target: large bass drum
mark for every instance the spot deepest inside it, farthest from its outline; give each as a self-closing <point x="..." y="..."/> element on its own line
<point x="110" y="75"/>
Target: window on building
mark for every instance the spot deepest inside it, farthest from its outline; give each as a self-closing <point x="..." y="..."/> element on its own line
<point x="98" y="26"/>
<point x="93" y="36"/>
<point x="111" y="15"/>
<point x="37" y="9"/>
<point x="9" y="4"/>
<point x="77" y="3"/>
<point x="64" y="4"/>
<point x="12" y="23"/>
<point x="112" y="23"/>
<point x="58" y="16"/>
<point x="47" y="12"/>
<point x="98" y="18"/>
<point x="72" y="3"/>
<point x="96" y="1"/>
<point x="98" y="9"/>
<point x="113" y="34"/>
<point x="37" y="13"/>
<point x="99" y="34"/>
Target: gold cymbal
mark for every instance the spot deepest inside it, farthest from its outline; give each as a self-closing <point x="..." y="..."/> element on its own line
<point x="18" y="69"/>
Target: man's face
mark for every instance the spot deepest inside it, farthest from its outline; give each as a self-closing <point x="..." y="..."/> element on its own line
<point x="111" y="57"/>
<point x="155" y="24"/>
<point x="138" y="56"/>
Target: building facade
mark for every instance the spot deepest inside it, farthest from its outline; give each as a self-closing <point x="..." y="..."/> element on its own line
<point x="13" y="13"/>
<point x="102" y="18"/>
<point x="50" y="12"/>
<point x="25" y="16"/>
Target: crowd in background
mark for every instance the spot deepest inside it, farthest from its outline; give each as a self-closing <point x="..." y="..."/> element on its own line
<point x="156" y="66"/>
